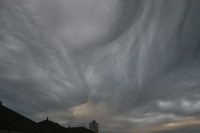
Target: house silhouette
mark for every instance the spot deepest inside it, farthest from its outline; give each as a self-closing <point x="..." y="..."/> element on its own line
<point x="13" y="122"/>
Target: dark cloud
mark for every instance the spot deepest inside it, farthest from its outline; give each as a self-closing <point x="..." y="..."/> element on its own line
<point x="129" y="64"/>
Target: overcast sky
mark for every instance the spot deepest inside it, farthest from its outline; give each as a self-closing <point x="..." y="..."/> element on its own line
<point x="131" y="65"/>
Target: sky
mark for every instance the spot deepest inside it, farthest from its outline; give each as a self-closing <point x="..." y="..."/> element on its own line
<point x="131" y="65"/>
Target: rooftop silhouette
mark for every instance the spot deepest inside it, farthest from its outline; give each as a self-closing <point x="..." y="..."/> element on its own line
<point x="11" y="121"/>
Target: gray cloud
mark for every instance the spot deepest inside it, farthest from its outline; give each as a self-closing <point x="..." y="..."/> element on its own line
<point x="190" y="129"/>
<point x="126" y="63"/>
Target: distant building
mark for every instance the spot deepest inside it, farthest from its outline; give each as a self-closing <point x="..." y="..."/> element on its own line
<point x="94" y="126"/>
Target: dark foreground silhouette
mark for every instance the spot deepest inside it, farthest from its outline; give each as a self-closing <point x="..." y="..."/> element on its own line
<point x="13" y="122"/>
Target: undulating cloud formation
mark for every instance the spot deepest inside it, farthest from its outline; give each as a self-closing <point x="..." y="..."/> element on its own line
<point x="132" y="65"/>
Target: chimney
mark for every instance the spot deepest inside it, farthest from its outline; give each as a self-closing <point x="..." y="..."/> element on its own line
<point x="94" y="126"/>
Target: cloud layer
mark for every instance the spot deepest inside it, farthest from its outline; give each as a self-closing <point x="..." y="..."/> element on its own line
<point x="132" y="65"/>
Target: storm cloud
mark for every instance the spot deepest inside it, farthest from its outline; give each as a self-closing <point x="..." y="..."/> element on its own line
<point x="132" y="65"/>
